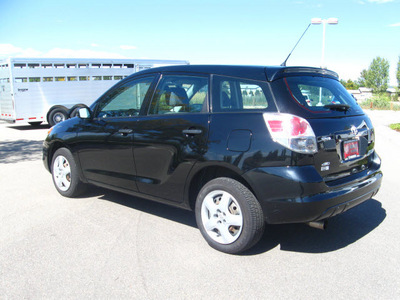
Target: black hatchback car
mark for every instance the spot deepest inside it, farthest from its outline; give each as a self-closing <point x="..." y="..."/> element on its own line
<point x="240" y="145"/>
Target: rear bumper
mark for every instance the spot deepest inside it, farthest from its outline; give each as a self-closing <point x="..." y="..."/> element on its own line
<point x="299" y="194"/>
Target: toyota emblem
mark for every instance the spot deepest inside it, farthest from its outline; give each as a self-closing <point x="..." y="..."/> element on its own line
<point x="354" y="130"/>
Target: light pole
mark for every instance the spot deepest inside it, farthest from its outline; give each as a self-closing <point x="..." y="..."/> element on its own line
<point x="317" y="21"/>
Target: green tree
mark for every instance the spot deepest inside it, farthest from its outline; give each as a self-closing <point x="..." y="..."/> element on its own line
<point x="363" y="78"/>
<point x="377" y="76"/>
<point x="351" y="85"/>
<point x="398" y="74"/>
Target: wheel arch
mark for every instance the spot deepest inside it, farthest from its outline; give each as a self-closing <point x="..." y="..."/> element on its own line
<point x="210" y="172"/>
<point x="57" y="145"/>
<point x="52" y="149"/>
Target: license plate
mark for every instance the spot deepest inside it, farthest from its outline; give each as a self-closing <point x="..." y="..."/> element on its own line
<point x="350" y="149"/>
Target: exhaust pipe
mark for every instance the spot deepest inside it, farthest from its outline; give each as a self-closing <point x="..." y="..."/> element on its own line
<point x="318" y="224"/>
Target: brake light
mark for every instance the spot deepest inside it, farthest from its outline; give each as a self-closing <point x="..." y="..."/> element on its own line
<point x="293" y="132"/>
<point x="299" y="126"/>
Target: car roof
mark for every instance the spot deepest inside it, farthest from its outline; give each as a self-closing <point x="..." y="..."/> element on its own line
<point x="269" y="73"/>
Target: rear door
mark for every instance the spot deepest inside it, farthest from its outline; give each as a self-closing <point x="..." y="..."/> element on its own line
<point x="172" y="136"/>
<point x="344" y="133"/>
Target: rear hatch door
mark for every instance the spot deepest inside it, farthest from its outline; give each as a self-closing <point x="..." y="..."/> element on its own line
<point x="344" y="146"/>
<point x="345" y="135"/>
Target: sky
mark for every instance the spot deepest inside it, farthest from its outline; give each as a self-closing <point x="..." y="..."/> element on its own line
<point x="251" y="32"/>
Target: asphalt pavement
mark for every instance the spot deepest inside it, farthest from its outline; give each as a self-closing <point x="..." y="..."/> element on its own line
<point x="108" y="245"/>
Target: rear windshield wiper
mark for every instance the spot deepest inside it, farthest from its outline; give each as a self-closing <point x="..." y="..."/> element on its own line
<point x="340" y="107"/>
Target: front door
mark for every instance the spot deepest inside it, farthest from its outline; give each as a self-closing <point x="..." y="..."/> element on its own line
<point x="105" y="145"/>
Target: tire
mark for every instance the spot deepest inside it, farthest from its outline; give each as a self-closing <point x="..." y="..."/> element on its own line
<point x="65" y="174"/>
<point x="57" y="115"/>
<point x="229" y="216"/>
<point x="74" y="112"/>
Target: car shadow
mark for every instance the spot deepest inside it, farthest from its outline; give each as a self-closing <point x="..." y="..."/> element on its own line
<point x="171" y="213"/>
<point x="29" y="127"/>
<point x="20" y="151"/>
<point x="342" y="230"/>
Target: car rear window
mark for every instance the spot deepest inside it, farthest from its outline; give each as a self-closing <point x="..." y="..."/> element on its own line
<point x="321" y="94"/>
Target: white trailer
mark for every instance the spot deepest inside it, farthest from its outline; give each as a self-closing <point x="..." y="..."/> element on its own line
<point x="36" y="90"/>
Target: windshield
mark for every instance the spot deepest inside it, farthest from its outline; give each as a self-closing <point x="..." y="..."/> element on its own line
<point x="320" y="94"/>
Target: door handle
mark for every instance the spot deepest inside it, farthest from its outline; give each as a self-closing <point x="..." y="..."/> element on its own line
<point x="125" y="131"/>
<point x="192" y="131"/>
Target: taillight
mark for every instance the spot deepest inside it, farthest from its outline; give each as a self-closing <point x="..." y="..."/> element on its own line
<point x="291" y="131"/>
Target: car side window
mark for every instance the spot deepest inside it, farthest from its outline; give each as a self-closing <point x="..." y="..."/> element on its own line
<point x="180" y="94"/>
<point x="233" y="94"/>
<point x="125" y="100"/>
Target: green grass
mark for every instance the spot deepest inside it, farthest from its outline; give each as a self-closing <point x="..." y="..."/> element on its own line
<point x="395" y="126"/>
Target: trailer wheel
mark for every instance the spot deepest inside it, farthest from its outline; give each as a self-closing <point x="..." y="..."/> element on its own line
<point x="74" y="113"/>
<point x="57" y="115"/>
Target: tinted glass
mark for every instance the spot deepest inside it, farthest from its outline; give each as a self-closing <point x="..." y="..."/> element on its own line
<point x="125" y="100"/>
<point x="231" y="94"/>
<point x="319" y="94"/>
<point x="180" y="94"/>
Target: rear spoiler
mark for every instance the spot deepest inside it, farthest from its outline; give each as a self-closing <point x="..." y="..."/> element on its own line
<point x="274" y="74"/>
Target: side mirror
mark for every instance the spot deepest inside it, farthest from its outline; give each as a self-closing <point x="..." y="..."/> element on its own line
<point x="84" y="113"/>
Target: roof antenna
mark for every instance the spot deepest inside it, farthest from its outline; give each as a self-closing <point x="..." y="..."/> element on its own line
<point x="284" y="63"/>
